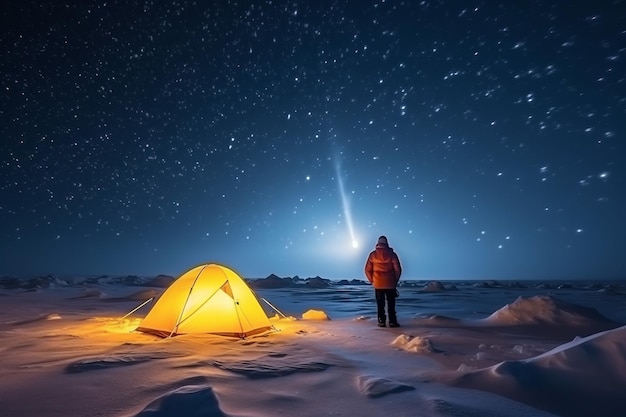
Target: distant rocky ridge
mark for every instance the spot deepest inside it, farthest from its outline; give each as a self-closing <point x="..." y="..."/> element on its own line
<point x="273" y="281"/>
<point x="52" y="281"/>
<point x="160" y="281"/>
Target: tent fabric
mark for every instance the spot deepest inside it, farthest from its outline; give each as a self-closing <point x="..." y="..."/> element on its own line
<point x="209" y="298"/>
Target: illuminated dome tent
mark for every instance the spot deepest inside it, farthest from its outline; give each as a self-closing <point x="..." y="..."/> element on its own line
<point x="209" y="298"/>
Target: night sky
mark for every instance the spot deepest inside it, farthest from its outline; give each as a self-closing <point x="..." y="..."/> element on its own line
<point x="485" y="141"/>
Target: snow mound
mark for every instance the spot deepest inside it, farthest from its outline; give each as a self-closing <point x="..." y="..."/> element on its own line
<point x="375" y="387"/>
<point x="584" y="377"/>
<point x="161" y="281"/>
<point x="45" y="317"/>
<point x="188" y="401"/>
<point x="315" y="315"/>
<point x="89" y="294"/>
<point x="413" y="344"/>
<point x="438" y="320"/>
<point x="544" y="309"/>
<point x="275" y="364"/>
<point x="142" y="295"/>
<point x="434" y="286"/>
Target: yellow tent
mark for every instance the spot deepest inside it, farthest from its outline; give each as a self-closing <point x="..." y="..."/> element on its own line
<point x="207" y="299"/>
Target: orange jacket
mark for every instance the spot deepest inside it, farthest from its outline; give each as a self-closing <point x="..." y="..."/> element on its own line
<point x="383" y="268"/>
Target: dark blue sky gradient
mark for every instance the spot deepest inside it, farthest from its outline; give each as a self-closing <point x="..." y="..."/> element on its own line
<point x="145" y="137"/>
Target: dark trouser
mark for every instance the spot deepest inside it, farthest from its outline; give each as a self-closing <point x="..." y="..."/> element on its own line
<point x="390" y="296"/>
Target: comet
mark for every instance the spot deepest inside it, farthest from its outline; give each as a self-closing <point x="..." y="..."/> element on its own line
<point x="345" y="203"/>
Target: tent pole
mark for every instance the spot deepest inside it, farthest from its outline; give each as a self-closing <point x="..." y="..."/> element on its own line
<point x="137" y="308"/>
<point x="182" y="310"/>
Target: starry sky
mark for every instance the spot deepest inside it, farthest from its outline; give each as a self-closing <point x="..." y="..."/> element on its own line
<point x="485" y="139"/>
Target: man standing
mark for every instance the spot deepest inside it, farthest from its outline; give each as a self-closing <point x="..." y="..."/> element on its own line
<point x="383" y="272"/>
